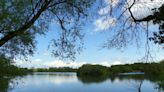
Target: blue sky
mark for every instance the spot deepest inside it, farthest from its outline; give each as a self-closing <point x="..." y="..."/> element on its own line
<point x="93" y="53"/>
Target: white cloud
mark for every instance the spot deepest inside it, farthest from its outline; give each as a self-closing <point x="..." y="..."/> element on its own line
<point x="59" y="63"/>
<point x="109" y="3"/>
<point x="46" y="53"/>
<point x="37" y="60"/>
<point x="35" y="63"/>
<point x="104" y="23"/>
<point x="45" y="64"/>
<point x="116" y="63"/>
<point x="108" y="64"/>
<point x="159" y="55"/>
<point x="104" y="10"/>
<point x="112" y="2"/>
<point x="59" y="80"/>
<point x="142" y="8"/>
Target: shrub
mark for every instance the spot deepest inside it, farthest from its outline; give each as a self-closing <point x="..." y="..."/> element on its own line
<point x="93" y="70"/>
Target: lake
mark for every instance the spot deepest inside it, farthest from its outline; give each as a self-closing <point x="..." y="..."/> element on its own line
<point x="69" y="82"/>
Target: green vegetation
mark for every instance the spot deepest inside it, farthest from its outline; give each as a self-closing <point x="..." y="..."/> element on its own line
<point x="114" y="70"/>
<point x="97" y="73"/>
<point x="89" y="73"/>
<point x="4" y="82"/>
<point x="8" y="69"/>
<point x="147" y="68"/>
<point x="158" y="79"/>
<point x="31" y="18"/>
<point x="93" y="70"/>
<point x="7" y="72"/>
<point x="60" y="69"/>
<point x="92" y="73"/>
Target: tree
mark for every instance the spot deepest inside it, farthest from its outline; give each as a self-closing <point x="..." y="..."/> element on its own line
<point x="129" y="22"/>
<point x="22" y="20"/>
<point x="158" y="18"/>
<point x="92" y="70"/>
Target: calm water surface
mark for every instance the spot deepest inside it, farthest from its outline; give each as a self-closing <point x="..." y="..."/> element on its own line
<point x="69" y="82"/>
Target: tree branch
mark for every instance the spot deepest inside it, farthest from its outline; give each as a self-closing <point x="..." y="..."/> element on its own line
<point x="23" y="29"/>
<point x="27" y="25"/>
<point x="146" y="19"/>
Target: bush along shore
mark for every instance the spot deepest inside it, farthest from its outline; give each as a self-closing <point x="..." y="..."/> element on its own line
<point x="53" y="69"/>
<point x="142" y="68"/>
<point x="8" y="69"/>
<point x="97" y="73"/>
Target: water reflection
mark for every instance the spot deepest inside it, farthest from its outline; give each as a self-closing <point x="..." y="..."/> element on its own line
<point x="4" y="84"/>
<point x="138" y="82"/>
<point x="91" y="79"/>
<point x="137" y="85"/>
<point x="69" y="82"/>
<point x="8" y="83"/>
<point x="159" y="81"/>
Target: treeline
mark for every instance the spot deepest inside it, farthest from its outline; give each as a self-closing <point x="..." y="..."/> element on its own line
<point x="147" y="68"/>
<point x="96" y="73"/>
<point x="95" y="70"/>
<point x="8" y="69"/>
<point x="53" y="69"/>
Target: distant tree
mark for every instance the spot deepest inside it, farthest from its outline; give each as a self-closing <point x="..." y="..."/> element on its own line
<point x="93" y="70"/>
<point x="22" y="20"/>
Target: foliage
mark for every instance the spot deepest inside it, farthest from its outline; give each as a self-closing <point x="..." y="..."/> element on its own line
<point x="97" y="73"/>
<point x="114" y="70"/>
<point x="7" y="72"/>
<point x="8" y="69"/>
<point x="21" y="21"/>
<point x="60" y="69"/>
<point x="136" y="67"/>
<point x="92" y="70"/>
<point x="158" y="18"/>
<point x="132" y="22"/>
<point x="147" y="68"/>
<point x="4" y="82"/>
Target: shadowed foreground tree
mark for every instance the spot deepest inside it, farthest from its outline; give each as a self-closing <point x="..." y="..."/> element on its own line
<point x="7" y="68"/>
<point x="158" y="18"/>
<point x="130" y="21"/>
<point x="22" y="20"/>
